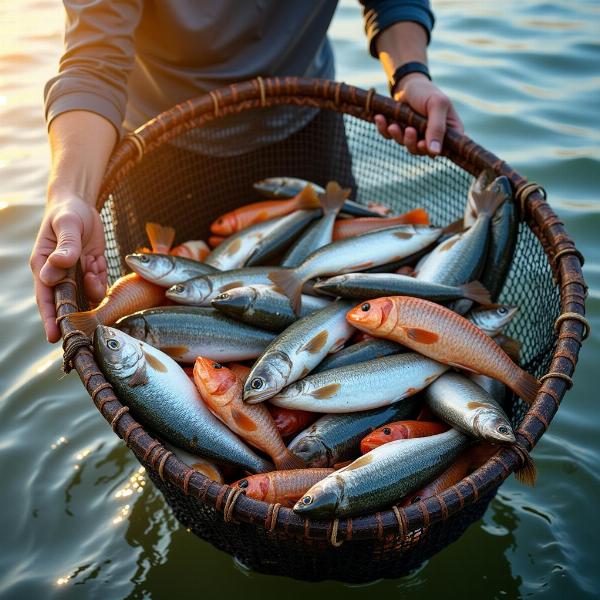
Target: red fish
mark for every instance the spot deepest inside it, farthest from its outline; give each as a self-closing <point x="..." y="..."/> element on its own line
<point x="345" y="228"/>
<point x="290" y="421"/>
<point x="400" y="430"/>
<point x="194" y="249"/>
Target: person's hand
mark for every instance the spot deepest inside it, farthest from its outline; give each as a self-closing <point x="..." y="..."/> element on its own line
<point x="71" y="229"/>
<point x="427" y="99"/>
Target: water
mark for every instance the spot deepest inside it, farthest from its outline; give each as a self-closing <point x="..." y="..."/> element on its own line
<point x="79" y="520"/>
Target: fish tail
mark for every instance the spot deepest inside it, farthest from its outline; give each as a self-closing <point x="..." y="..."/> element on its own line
<point x="476" y="291"/>
<point x="526" y="387"/>
<point x="334" y="197"/>
<point x="511" y="346"/>
<point x="85" y="321"/>
<point x="527" y="474"/>
<point x="308" y="198"/>
<point x="161" y="238"/>
<point x="417" y="216"/>
<point x="288" y="460"/>
<point x="290" y="283"/>
<point x="489" y="200"/>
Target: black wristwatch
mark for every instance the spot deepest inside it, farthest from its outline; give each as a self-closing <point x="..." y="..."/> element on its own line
<point x="405" y="69"/>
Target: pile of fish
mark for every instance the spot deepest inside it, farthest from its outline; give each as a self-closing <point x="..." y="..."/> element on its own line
<point x="321" y="354"/>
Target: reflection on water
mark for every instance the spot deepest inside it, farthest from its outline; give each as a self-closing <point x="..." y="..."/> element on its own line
<point x="79" y="519"/>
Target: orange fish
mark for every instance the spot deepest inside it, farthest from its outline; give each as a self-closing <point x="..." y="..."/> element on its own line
<point x="215" y="240"/>
<point x="221" y="389"/>
<point x="250" y="214"/>
<point x="441" y="334"/>
<point x="127" y="295"/>
<point x="345" y="228"/>
<point x="290" y="421"/>
<point x="285" y="487"/>
<point x="194" y="249"/>
<point x="400" y="430"/>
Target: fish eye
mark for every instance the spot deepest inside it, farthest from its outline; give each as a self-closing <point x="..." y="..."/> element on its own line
<point x="144" y="258"/>
<point x="502" y="310"/>
<point x="243" y="483"/>
<point x="113" y="344"/>
<point x="257" y="383"/>
<point x="217" y="366"/>
<point x="503" y="429"/>
<point x="223" y="296"/>
<point x="179" y="288"/>
<point x="387" y="431"/>
<point x="365" y="307"/>
<point x="307" y="500"/>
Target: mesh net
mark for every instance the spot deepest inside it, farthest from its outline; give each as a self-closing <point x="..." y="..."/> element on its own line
<point x="183" y="184"/>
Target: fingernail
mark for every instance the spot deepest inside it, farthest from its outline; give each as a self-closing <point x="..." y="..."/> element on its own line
<point x="435" y="146"/>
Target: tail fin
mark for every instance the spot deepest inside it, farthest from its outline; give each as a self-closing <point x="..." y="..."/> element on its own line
<point x="511" y="346"/>
<point x="288" y="460"/>
<point x="477" y="292"/>
<point x="290" y="283"/>
<point x="527" y="474"/>
<point x="161" y="238"/>
<point x="308" y="198"/>
<point x="418" y="216"/>
<point x="334" y="197"/>
<point x="491" y="198"/>
<point x="85" y="321"/>
<point x="526" y="387"/>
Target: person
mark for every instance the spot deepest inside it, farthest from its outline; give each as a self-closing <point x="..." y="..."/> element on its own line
<point x="125" y="62"/>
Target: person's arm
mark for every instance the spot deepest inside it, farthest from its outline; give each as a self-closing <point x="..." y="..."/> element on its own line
<point x="81" y="143"/>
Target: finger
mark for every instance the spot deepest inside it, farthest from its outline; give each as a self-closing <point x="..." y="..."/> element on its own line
<point x="422" y="148"/>
<point x="93" y="287"/>
<point x="68" y="245"/>
<point x="51" y="275"/>
<point x="381" y="124"/>
<point x="45" y="301"/>
<point x="437" y="113"/>
<point x="396" y="133"/>
<point x="410" y="139"/>
<point x="454" y="121"/>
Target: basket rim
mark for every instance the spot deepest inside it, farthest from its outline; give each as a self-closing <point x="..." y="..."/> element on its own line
<point x="560" y="250"/>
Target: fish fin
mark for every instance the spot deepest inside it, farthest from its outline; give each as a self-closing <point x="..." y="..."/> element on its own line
<point x="476" y="291"/>
<point x="489" y="200"/>
<point x="327" y="391"/>
<point x="316" y="343"/>
<point x="308" y="198"/>
<point x="527" y="474"/>
<point x="143" y="250"/>
<point x="290" y="283"/>
<point x="156" y="364"/>
<point x="160" y="237"/>
<point x="421" y="335"/>
<point x="527" y="387"/>
<point x="342" y="465"/>
<point x="334" y="197"/>
<point x="454" y="227"/>
<point x="140" y="377"/>
<point x="85" y="321"/>
<point x="417" y="216"/>
<point x="511" y="346"/>
<point x="175" y="351"/>
<point x="242" y="420"/>
<point x="288" y="460"/>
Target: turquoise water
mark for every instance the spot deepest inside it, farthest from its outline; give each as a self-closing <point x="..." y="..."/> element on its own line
<point x="79" y="520"/>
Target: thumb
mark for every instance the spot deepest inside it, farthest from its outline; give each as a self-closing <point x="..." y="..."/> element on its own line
<point x="437" y="115"/>
<point x="68" y="242"/>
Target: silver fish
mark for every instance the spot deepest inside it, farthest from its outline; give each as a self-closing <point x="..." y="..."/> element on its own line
<point x="466" y="406"/>
<point x="361" y="352"/>
<point x="479" y="184"/>
<point x="492" y="320"/>
<point x="362" y="386"/>
<point x="297" y="351"/>
<point x="381" y="477"/>
<point x="166" y="270"/>
<point x="162" y="397"/>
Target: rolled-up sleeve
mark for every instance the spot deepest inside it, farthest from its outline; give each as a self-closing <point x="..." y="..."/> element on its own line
<point x="98" y="57"/>
<point x="380" y="14"/>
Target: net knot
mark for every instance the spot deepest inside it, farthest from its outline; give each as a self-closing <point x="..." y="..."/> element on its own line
<point x="577" y="317"/>
<point x="334" y="531"/>
<point x="230" y="504"/>
<point x="525" y="191"/>
<point x="72" y="343"/>
<point x="566" y="251"/>
<point x="557" y="375"/>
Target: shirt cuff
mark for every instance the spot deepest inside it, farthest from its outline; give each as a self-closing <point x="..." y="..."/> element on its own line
<point x="390" y="12"/>
<point x="87" y="101"/>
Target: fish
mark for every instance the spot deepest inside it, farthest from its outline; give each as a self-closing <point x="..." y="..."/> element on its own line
<point x="161" y="238"/>
<point x="221" y="390"/>
<point x="297" y="351"/>
<point x="192" y="249"/>
<point x="185" y="332"/>
<point x="333" y="439"/>
<point x="381" y="477"/>
<point x="263" y="306"/>
<point x="479" y="184"/>
<point x="400" y="430"/>
<point x="259" y="242"/>
<point x="202" y="290"/>
<point x="492" y="320"/>
<point x="166" y="270"/>
<point x="441" y="334"/>
<point x="215" y="240"/>
<point x="289" y="422"/>
<point x="320" y="232"/>
<point x="251" y="214"/>
<point x="282" y="487"/>
<point x="467" y="407"/>
<point x="345" y="228"/>
<point x="369" y="349"/>
<point x="161" y="396"/>
<point x="199" y="464"/>
<point x="127" y="294"/>
<point x="363" y="386"/>
<point x="375" y="285"/>
<point x="354" y="254"/>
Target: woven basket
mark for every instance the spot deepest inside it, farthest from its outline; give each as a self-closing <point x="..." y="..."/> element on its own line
<point x="154" y="176"/>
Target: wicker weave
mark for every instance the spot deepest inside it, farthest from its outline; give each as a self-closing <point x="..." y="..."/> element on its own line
<point x="152" y="176"/>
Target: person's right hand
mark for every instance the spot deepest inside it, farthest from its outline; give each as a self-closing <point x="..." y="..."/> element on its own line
<point x="71" y="229"/>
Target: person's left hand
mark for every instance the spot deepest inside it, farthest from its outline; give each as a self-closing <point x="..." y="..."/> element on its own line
<point x="427" y="99"/>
